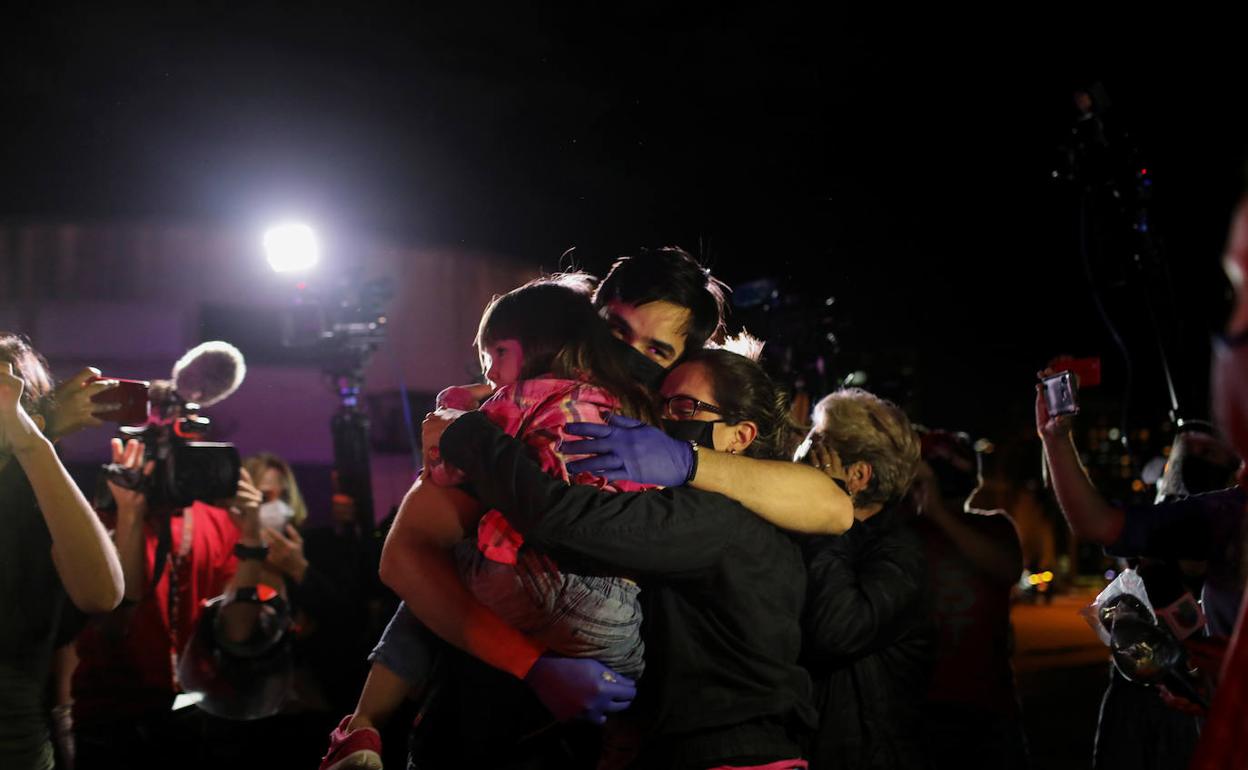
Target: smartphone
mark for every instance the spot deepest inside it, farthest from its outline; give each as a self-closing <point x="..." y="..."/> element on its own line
<point x="1059" y="394"/>
<point x="132" y="397"/>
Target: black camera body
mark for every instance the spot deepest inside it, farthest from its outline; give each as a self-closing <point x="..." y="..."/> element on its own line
<point x="195" y="470"/>
<point x="186" y="468"/>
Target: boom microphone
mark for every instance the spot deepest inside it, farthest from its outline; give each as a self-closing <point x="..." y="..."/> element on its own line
<point x="208" y="373"/>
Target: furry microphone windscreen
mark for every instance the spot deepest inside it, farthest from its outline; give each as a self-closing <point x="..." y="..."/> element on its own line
<point x="209" y="372"/>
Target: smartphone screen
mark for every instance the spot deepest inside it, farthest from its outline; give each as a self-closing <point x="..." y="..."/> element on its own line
<point x="1059" y="394"/>
<point x="132" y="397"/>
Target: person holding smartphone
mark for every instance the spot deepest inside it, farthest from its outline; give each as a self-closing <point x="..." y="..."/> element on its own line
<point x="1194" y="528"/>
<point x="1199" y="527"/>
<point x="52" y="549"/>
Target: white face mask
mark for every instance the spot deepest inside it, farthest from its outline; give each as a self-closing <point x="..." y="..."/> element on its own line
<point x="276" y="514"/>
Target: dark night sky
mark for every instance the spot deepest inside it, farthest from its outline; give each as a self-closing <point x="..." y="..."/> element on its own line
<point x="904" y="173"/>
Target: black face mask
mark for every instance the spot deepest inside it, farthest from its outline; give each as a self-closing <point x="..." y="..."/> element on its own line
<point x="701" y="432"/>
<point x="649" y="373"/>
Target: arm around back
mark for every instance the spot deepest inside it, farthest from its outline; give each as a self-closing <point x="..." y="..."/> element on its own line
<point x="416" y="564"/>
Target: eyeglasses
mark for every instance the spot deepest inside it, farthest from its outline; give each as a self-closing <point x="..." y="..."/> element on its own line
<point x="687" y="407"/>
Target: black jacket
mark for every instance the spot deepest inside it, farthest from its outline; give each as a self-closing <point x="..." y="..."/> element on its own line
<point x="722" y="593"/>
<point x="869" y="643"/>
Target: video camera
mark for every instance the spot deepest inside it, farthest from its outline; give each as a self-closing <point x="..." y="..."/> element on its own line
<point x="187" y="468"/>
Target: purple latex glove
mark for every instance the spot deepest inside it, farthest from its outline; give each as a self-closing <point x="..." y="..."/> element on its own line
<point x="625" y="448"/>
<point x="580" y="688"/>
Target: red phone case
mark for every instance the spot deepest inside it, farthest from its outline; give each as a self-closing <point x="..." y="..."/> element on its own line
<point x="132" y="396"/>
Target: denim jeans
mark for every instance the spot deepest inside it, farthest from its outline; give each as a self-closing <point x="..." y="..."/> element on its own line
<point x="579" y="616"/>
<point x="407" y="647"/>
<point x="573" y="615"/>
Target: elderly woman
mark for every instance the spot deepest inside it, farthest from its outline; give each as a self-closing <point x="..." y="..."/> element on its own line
<point x="870" y="639"/>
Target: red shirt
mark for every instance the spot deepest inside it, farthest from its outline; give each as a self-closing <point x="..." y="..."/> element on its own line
<point x="127" y="657"/>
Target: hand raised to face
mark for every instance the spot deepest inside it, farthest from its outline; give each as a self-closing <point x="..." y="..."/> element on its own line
<point x="18" y="432"/>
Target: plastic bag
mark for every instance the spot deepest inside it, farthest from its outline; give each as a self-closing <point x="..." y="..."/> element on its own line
<point x="1129" y="583"/>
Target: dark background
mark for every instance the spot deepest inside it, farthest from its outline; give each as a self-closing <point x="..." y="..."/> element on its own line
<point x="901" y="169"/>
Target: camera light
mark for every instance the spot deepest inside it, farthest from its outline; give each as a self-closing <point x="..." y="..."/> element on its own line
<point x="291" y="247"/>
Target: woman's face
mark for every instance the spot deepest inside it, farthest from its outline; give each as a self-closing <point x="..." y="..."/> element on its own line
<point x="694" y="380"/>
<point x="272" y="485"/>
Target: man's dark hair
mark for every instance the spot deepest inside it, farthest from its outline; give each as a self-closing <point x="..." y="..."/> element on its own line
<point x="669" y="274"/>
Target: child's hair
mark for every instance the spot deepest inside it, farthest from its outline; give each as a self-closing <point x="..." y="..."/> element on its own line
<point x="542" y="315"/>
<point x="561" y="333"/>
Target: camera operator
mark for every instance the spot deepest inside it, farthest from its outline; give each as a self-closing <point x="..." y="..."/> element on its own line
<point x="126" y="682"/>
<point x="51" y="548"/>
<point x="974" y="559"/>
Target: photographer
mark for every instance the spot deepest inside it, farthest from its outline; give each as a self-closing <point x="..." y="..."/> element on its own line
<point x="51" y="548"/>
<point x="327" y="572"/>
<point x="174" y="557"/>
<point x="126" y="682"/>
<point x="974" y="559"/>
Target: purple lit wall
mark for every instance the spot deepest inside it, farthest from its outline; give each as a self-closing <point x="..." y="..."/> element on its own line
<point x="131" y="299"/>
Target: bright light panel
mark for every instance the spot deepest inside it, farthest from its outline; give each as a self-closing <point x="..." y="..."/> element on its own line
<point x="291" y="247"/>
